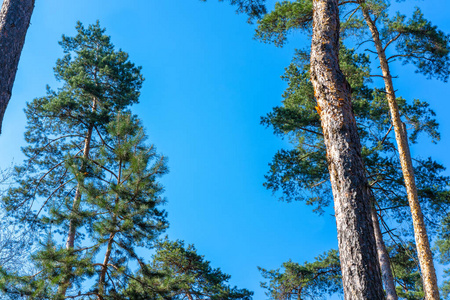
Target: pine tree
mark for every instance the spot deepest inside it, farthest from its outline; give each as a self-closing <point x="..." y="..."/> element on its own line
<point x="178" y="272"/>
<point x="88" y="175"/>
<point x="416" y="41"/>
<point x="15" y="18"/>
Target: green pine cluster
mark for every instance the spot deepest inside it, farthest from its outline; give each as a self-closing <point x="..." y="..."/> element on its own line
<point x="177" y="272"/>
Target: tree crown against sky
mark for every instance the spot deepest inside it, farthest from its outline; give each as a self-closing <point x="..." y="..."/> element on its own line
<point x="416" y="39"/>
<point x="178" y="272"/>
<point x="120" y="195"/>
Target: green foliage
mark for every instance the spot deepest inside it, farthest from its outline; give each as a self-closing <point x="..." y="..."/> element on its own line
<point x="405" y="268"/>
<point x="308" y="281"/>
<point x="420" y="43"/>
<point x="82" y="139"/>
<point x="178" y="272"/>
<point x="416" y="40"/>
<point x="301" y="173"/>
<point x="286" y="17"/>
<point x="443" y="245"/>
<point x="322" y="277"/>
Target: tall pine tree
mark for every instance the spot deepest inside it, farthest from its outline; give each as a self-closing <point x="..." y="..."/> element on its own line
<point x="89" y="178"/>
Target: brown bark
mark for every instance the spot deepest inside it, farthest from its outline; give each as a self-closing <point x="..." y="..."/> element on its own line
<point x="15" y="17"/>
<point x="420" y="232"/>
<point x="360" y="270"/>
<point x="101" y="281"/>
<point x="383" y="259"/>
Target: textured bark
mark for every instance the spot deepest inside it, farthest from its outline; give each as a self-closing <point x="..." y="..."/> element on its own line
<point x="420" y="232"/>
<point x="383" y="259"/>
<point x="360" y="269"/>
<point x="15" y="17"/>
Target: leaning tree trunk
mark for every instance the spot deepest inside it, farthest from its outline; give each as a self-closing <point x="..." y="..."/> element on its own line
<point x="360" y="270"/>
<point x="420" y="232"/>
<point x="383" y="259"/>
<point x="15" y="18"/>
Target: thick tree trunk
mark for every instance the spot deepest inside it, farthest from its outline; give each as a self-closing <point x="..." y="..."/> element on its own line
<point x="15" y="17"/>
<point x="360" y="269"/>
<point x="420" y="232"/>
<point x="383" y="259"/>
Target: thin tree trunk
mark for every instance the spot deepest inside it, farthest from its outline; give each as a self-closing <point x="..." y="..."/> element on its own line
<point x="15" y="17"/>
<point x="360" y="269"/>
<point x="420" y="232"/>
<point x="76" y="203"/>
<point x="77" y="199"/>
<point x="70" y="243"/>
<point x="383" y="259"/>
<point x="101" y="281"/>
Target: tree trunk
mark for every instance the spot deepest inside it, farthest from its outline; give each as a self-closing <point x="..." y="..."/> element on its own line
<point x="420" y="232"/>
<point x="15" y="18"/>
<point x="383" y="259"/>
<point x="101" y="281"/>
<point x="360" y="270"/>
<point x="70" y="243"/>
<point x="76" y="202"/>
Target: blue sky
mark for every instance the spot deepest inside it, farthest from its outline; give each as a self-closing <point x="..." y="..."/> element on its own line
<point x="208" y="82"/>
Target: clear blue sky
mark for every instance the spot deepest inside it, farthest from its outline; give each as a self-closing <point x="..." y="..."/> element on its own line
<point x="207" y="85"/>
